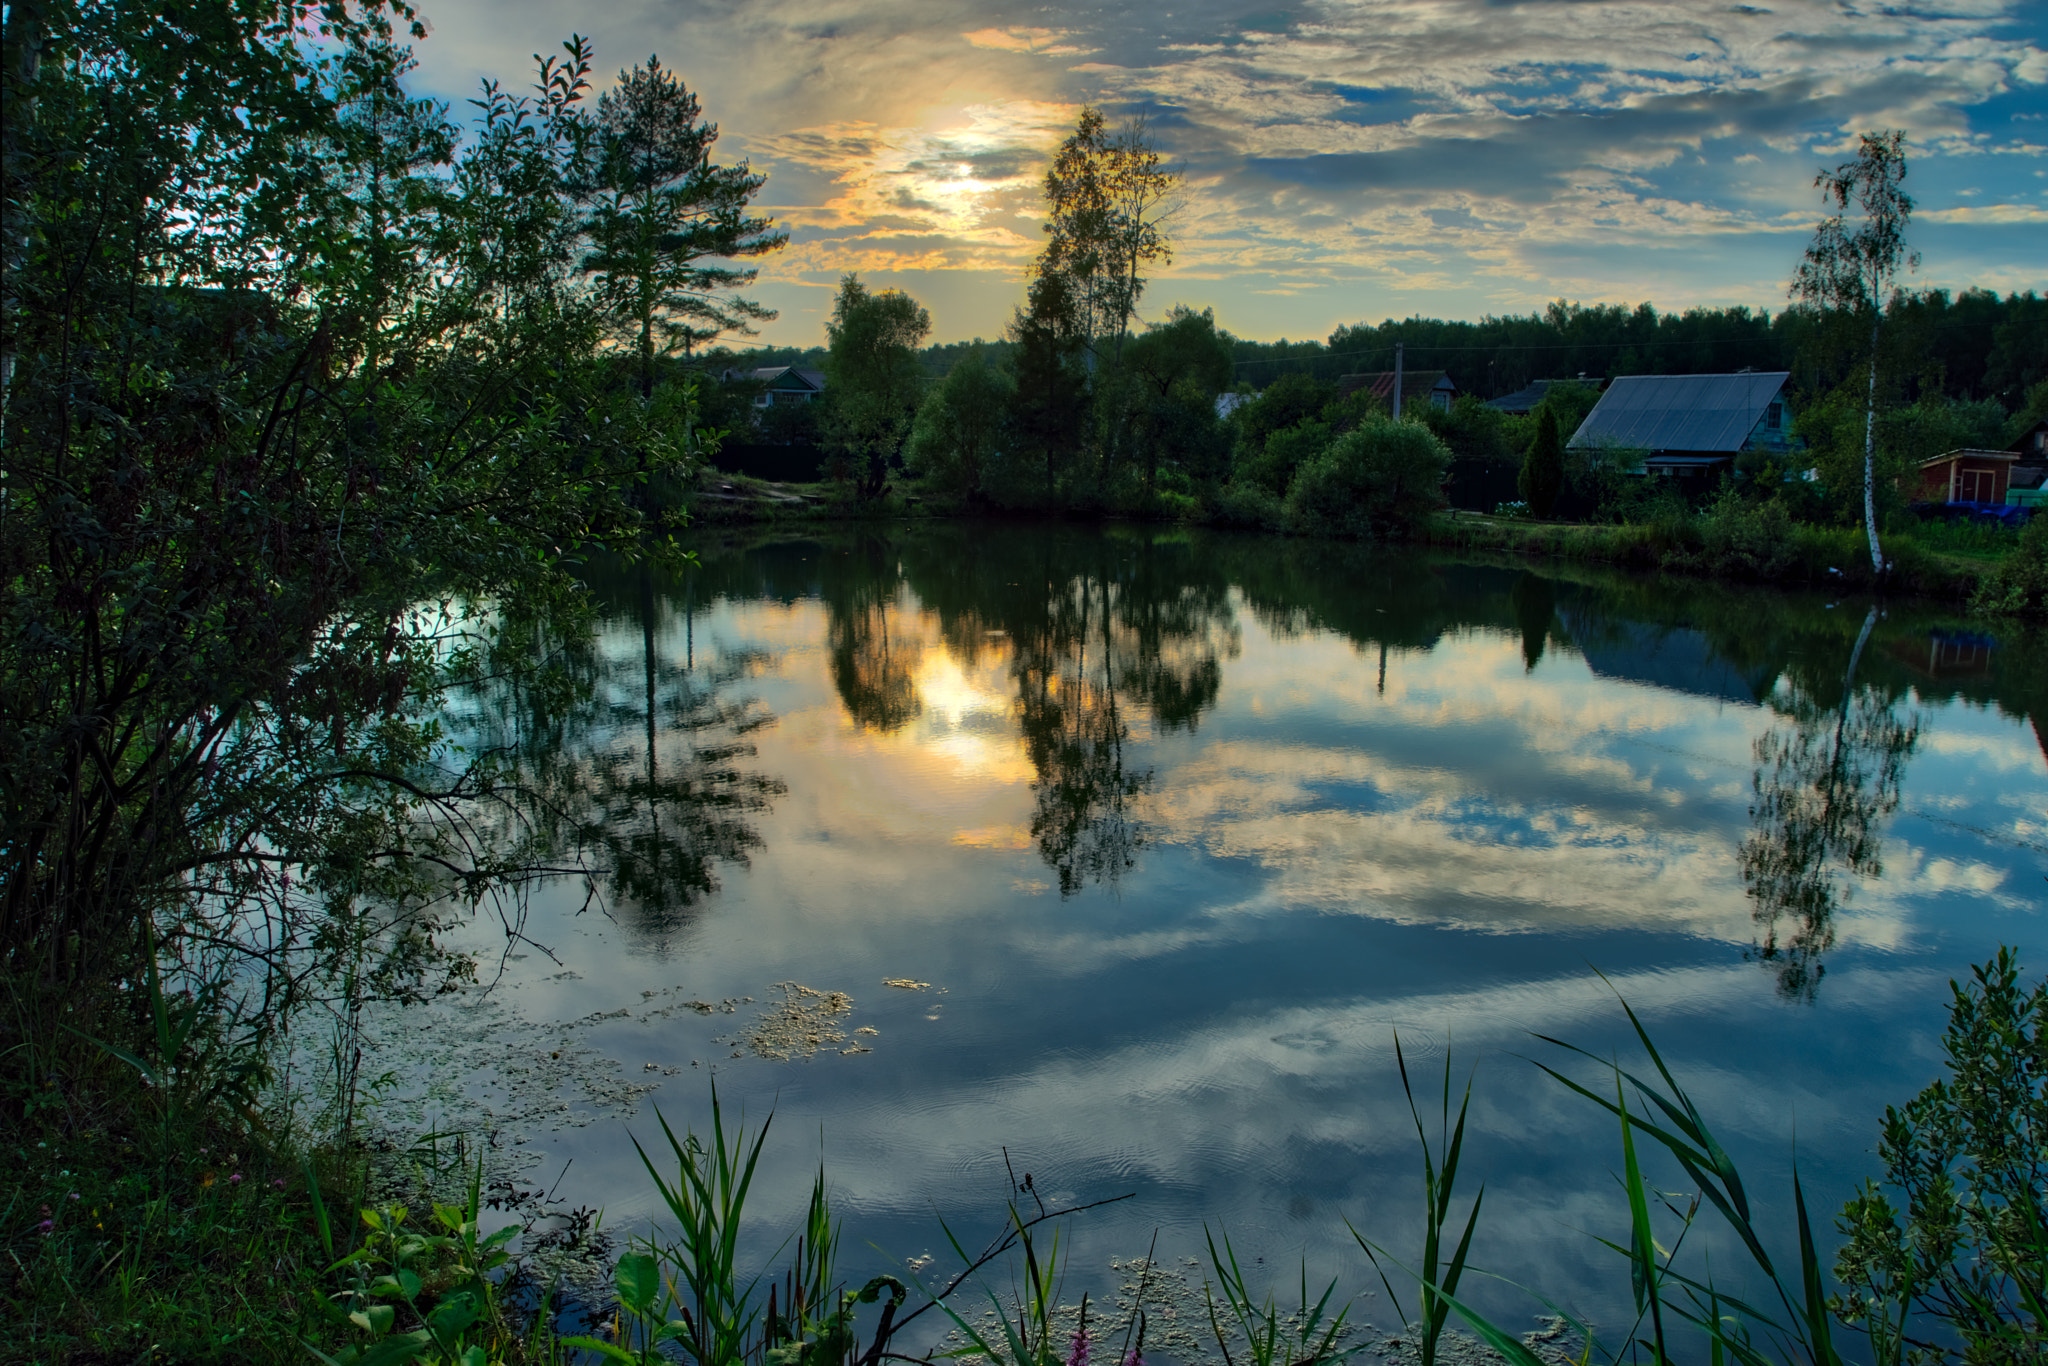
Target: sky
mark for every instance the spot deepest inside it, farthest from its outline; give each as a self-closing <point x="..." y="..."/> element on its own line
<point x="1346" y="161"/>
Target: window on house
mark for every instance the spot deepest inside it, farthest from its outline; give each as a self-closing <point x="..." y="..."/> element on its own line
<point x="1774" y="416"/>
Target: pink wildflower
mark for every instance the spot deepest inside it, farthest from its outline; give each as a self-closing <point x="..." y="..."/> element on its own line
<point x="235" y="1180"/>
<point x="1077" y="1355"/>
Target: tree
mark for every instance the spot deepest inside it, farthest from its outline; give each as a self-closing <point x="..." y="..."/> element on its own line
<point x="1108" y="195"/>
<point x="1826" y="780"/>
<point x="1374" y="482"/>
<point x="1044" y="421"/>
<point x="282" y="422"/>
<point x="960" y="424"/>
<point x="1163" y="410"/>
<point x="872" y="377"/>
<point x="660" y="211"/>
<point x="1543" y="468"/>
<point x="1855" y="269"/>
<point x="1971" y="1250"/>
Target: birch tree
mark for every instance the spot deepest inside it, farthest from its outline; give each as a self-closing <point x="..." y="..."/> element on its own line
<point x="1853" y="264"/>
<point x="1109" y="194"/>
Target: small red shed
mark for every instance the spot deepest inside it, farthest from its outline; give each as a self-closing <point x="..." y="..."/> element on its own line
<point x="1966" y="476"/>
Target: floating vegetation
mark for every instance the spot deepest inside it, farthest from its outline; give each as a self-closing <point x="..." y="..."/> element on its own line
<point x="804" y="1021"/>
<point x="906" y="984"/>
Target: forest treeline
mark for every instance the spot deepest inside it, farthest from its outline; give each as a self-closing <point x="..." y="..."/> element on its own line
<point x="1968" y="346"/>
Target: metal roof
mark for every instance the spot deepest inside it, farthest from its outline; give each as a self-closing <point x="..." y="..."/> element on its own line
<point x="1525" y="399"/>
<point x="1700" y="413"/>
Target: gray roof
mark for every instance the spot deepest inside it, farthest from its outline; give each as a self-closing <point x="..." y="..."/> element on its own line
<point x="1525" y="399"/>
<point x="1699" y="413"/>
<point x="770" y="374"/>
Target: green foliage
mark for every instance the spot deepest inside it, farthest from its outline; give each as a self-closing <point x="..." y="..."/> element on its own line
<point x="1044" y="421"/>
<point x="1438" y="1276"/>
<point x="1306" y="1338"/>
<point x="1285" y="451"/>
<point x="873" y="380"/>
<point x="1542" y="476"/>
<point x="1376" y="482"/>
<point x="251" y="511"/>
<point x="1850" y="271"/>
<point x="1744" y="539"/>
<point x="659" y="212"/>
<point x="2019" y="585"/>
<point x="1970" y="1247"/>
<point x="1286" y="402"/>
<point x="1471" y="430"/>
<point x="447" y="1282"/>
<point x="960" y="424"/>
<point x="1105" y="194"/>
<point x="1247" y="503"/>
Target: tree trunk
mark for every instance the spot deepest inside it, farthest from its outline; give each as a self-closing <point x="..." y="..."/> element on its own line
<point x="1870" y="454"/>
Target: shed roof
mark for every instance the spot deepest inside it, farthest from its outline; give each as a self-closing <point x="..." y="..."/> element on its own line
<point x="1966" y="453"/>
<point x="1681" y="412"/>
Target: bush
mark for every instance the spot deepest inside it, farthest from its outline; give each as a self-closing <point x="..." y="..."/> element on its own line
<point x="1970" y="1247"/>
<point x="1285" y="452"/>
<point x="1381" y="480"/>
<point x="2019" y="586"/>
<point x="1248" y="504"/>
<point x="1747" y="540"/>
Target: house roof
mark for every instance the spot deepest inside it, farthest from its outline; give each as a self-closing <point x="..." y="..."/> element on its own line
<point x="1701" y="413"/>
<point x="1524" y="400"/>
<point x="772" y="375"/>
<point x="1381" y="384"/>
<point x="1966" y="453"/>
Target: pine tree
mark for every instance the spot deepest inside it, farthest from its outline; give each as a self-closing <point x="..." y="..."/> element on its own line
<point x="659" y="210"/>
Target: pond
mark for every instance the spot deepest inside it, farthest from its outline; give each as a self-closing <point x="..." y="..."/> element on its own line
<point x="1130" y="852"/>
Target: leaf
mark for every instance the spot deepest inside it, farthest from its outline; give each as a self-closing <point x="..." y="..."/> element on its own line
<point x="638" y="1280"/>
<point x="610" y="1351"/>
<point x="375" y="1319"/>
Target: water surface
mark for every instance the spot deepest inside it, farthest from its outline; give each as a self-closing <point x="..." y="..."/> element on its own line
<point x="1180" y="829"/>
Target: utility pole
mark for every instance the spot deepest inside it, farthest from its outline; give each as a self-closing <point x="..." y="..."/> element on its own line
<point x="1397" y="380"/>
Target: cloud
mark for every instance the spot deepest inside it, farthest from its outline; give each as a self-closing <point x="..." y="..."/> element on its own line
<point x="1462" y="149"/>
<point x="1043" y="42"/>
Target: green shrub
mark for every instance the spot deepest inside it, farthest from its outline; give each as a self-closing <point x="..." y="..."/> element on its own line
<point x="2019" y="586"/>
<point x="1247" y="503"/>
<point x="1747" y="540"/>
<point x="1966" y="1153"/>
<point x="1381" y="480"/>
<point x="1285" y="451"/>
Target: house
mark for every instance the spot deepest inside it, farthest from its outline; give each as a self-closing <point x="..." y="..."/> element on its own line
<point x="1525" y="400"/>
<point x="781" y="384"/>
<point x="1433" y="386"/>
<point x="1690" y="427"/>
<point x="2033" y="443"/>
<point x="1965" y="476"/>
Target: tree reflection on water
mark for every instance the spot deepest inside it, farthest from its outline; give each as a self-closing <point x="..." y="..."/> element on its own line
<point x="1095" y="635"/>
<point x="1827" y="776"/>
<point x="636" y="761"/>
